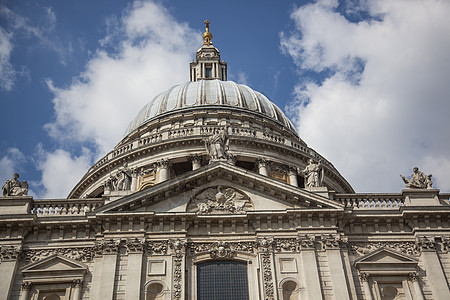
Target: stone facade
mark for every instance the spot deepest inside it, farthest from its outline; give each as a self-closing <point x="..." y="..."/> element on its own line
<point x="204" y="183"/>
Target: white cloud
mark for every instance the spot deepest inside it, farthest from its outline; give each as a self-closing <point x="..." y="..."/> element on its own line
<point x="101" y="101"/>
<point x="7" y="73"/>
<point x="10" y="163"/>
<point x="151" y="52"/>
<point x="385" y="106"/>
<point x="60" y="171"/>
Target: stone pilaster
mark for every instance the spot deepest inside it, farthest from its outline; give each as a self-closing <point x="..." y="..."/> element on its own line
<point x="333" y="251"/>
<point x="414" y="278"/>
<point x="309" y="261"/>
<point x="109" y="249"/>
<point x="77" y="286"/>
<point x="135" y="250"/>
<point x="432" y="264"/>
<point x="364" y="277"/>
<point x="9" y="255"/>
<point x="25" y="290"/>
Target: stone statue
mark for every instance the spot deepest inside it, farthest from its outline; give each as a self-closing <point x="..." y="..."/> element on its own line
<point x="13" y="187"/>
<point x="122" y="179"/>
<point x="313" y="174"/>
<point x="217" y="145"/>
<point x="418" y="180"/>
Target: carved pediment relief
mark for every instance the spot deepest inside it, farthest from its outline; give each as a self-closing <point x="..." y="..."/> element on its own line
<point x="220" y="199"/>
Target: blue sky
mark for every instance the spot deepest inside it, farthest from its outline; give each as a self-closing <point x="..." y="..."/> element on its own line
<point x="365" y="82"/>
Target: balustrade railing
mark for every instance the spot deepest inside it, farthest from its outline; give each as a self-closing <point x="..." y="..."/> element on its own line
<point x="388" y="202"/>
<point x="60" y="207"/>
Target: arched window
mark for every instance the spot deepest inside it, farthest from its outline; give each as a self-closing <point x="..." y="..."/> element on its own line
<point x="154" y="291"/>
<point x="290" y="290"/>
<point x="222" y="279"/>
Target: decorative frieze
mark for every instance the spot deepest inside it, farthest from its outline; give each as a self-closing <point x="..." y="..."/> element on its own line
<point x="135" y="245"/>
<point x="286" y="244"/>
<point x="409" y="248"/>
<point x="220" y="249"/>
<point x="426" y="243"/>
<point x="157" y="247"/>
<point x="10" y="252"/>
<point x="109" y="246"/>
<point x="306" y="241"/>
<point x="83" y="254"/>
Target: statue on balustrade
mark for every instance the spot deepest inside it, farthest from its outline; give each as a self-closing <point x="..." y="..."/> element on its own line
<point x="418" y="180"/>
<point x="313" y="174"/>
<point x="13" y="187"/>
<point x="217" y="145"/>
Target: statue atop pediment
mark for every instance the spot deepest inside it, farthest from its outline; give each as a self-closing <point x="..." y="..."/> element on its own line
<point x="313" y="174"/>
<point x="13" y="187"/>
<point x="418" y="180"/>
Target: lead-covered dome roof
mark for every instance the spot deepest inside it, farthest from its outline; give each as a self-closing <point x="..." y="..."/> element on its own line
<point x="206" y="93"/>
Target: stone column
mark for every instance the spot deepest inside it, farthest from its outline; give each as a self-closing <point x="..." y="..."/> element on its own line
<point x="213" y="71"/>
<point x="262" y="166"/>
<point x="77" y="286"/>
<point x="196" y="161"/>
<point x="162" y="168"/>
<point x="8" y="267"/>
<point x="336" y="266"/>
<point x="364" y="277"/>
<point x="25" y="290"/>
<point x="414" y="278"/>
<point x="309" y="261"/>
<point x="432" y="265"/>
<point x="110" y="250"/>
<point x="135" y="249"/>
<point x="134" y="175"/>
<point x="293" y="176"/>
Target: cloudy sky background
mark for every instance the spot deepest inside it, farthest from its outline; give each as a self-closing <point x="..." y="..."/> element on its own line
<point x="366" y="82"/>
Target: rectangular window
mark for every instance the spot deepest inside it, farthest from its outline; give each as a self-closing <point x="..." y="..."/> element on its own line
<point x="208" y="73"/>
<point x="217" y="280"/>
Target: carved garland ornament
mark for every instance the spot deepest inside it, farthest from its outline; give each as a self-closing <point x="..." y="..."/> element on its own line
<point x="220" y="200"/>
<point x="179" y="248"/>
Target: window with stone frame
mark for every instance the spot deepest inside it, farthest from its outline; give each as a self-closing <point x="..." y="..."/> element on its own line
<point x="222" y="279"/>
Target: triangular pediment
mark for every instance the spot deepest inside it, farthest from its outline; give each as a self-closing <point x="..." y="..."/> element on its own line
<point x="385" y="260"/>
<point x="261" y="192"/>
<point x="54" y="266"/>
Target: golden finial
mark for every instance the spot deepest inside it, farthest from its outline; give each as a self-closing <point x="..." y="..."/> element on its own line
<point x="207" y="36"/>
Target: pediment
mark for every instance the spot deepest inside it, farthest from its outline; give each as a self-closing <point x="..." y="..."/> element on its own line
<point x="259" y="192"/>
<point x="385" y="260"/>
<point x="55" y="266"/>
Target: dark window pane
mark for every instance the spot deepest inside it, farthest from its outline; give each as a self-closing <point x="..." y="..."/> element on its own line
<point x="222" y="280"/>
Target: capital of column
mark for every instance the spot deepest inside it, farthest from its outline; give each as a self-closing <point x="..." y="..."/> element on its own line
<point x="196" y="161"/>
<point x="26" y="286"/>
<point x="413" y="276"/>
<point x="77" y="283"/>
<point x="363" y="276"/>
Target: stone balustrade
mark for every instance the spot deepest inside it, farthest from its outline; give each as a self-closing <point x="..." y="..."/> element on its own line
<point x="60" y="207"/>
<point x="369" y="202"/>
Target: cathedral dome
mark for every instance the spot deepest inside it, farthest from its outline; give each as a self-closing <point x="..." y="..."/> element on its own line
<point x="209" y="93"/>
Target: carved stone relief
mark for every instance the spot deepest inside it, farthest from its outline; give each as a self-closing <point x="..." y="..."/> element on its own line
<point x="84" y="254"/>
<point x="220" y="200"/>
<point x="409" y="248"/>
